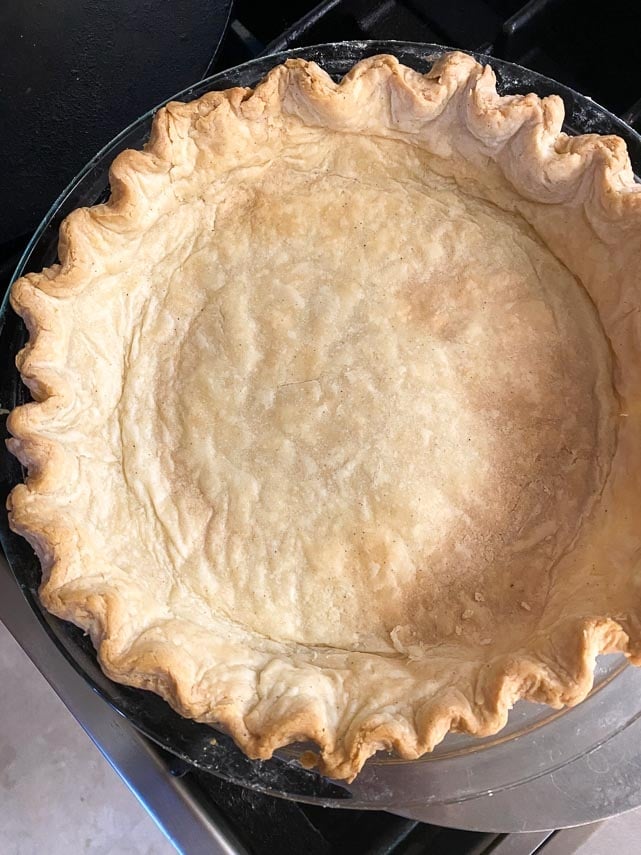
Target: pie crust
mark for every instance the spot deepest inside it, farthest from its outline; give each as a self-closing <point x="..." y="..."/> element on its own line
<point x="336" y="419"/>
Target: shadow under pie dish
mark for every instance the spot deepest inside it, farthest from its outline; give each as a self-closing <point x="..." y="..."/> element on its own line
<point x="335" y="427"/>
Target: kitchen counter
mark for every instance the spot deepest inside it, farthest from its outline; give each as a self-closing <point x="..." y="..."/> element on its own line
<point x="58" y="795"/>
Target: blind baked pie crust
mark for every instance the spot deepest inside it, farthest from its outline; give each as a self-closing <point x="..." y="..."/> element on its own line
<point x="336" y="422"/>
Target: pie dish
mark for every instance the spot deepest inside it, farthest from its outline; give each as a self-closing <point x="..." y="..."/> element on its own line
<point x="335" y="421"/>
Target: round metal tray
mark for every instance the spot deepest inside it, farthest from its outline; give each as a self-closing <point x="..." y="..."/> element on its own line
<point x="537" y="742"/>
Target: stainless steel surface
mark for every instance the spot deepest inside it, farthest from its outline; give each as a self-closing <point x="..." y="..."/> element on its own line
<point x="566" y="841"/>
<point x="521" y="844"/>
<point x="561" y="842"/>
<point x="174" y="804"/>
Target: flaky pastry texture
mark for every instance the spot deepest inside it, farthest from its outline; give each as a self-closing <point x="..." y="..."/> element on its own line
<point x="335" y="426"/>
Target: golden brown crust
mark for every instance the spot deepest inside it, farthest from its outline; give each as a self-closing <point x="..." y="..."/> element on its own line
<point x="578" y="194"/>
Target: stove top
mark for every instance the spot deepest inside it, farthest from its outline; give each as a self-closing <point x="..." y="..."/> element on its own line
<point x="576" y="44"/>
<point x="204" y="815"/>
<point x="590" y="48"/>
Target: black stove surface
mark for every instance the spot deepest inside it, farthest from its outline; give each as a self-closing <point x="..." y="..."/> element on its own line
<point x="267" y="825"/>
<point x="586" y="46"/>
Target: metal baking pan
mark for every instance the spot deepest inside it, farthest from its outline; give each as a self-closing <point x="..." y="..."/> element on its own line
<point x="537" y="742"/>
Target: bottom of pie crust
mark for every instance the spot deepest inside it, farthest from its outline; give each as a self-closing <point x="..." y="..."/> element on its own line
<point x="392" y="406"/>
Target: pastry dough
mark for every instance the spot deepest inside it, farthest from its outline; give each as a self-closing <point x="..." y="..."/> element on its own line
<point x="336" y="423"/>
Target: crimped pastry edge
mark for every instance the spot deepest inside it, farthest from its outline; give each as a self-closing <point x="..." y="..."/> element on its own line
<point x="522" y="134"/>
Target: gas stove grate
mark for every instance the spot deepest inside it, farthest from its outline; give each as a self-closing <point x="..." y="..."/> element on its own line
<point x="589" y="49"/>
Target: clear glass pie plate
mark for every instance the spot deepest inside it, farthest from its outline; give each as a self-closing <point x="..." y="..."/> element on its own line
<point x="537" y="740"/>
